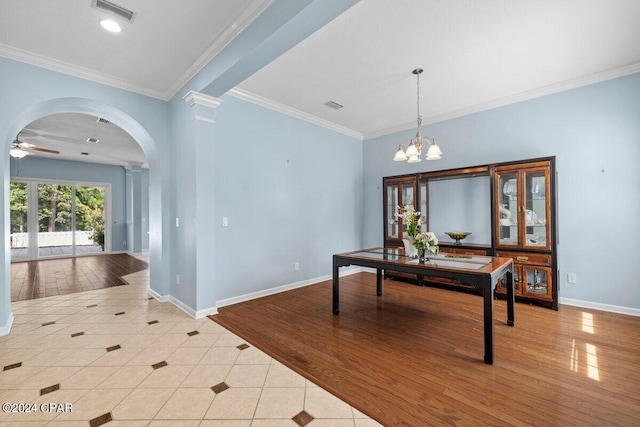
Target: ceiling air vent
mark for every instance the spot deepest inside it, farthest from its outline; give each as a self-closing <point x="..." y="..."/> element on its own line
<point x="114" y="9"/>
<point x="333" y="104"/>
<point x="101" y="120"/>
<point x="93" y="140"/>
<point x="84" y="153"/>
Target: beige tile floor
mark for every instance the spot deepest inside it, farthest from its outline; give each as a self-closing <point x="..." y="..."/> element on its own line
<point x="117" y="357"/>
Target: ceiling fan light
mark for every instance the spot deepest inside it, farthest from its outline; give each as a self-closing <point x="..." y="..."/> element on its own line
<point x="18" y="153"/>
<point x="400" y="155"/>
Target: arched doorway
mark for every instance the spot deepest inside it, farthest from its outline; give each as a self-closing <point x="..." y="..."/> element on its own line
<point x="123" y="121"/>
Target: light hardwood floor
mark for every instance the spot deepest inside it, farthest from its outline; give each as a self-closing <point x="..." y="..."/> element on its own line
<point x="413" y="357"/>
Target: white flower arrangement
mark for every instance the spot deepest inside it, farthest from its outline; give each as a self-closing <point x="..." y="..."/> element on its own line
<point x="426" y="242"/>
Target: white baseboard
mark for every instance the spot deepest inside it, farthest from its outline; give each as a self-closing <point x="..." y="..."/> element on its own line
<point x="288" y="287"/>
<point x="222" y="303"/>
<point x="5" y="330"/>
<point x="157" y="296"/>
<point x="598" y="306"/>
<point x="182" y="306"/>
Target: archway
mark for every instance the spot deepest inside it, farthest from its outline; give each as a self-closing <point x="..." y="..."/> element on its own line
<point x="126" y="123"/>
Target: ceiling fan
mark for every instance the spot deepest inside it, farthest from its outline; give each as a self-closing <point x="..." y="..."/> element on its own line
<point x="20" y="149"/>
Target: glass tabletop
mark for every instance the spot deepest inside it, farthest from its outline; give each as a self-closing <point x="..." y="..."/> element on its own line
<point x="442" y="262"/>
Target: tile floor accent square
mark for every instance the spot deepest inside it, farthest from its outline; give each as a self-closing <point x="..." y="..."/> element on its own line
<point x="91" y="306"/>
<point x="219" y="388"/>
<point x="302" y="419"/>
<point x="159" y="365"/>
<point x="13" y="366"/>
<point x="119" y="313"/>
<point x="153" y="322"/>
<point x="77" y="334"/>
<point x="102" y="419"/>
<point x="49" y="389"/>
<point x="48" y="323"/>
<point x="114" y="347"/>
<point x="192" y="333"/>
<point x="242" y="347"/>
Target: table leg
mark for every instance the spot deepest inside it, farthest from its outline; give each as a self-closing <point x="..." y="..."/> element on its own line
<point x="420" y="280"/>
<point x="488" y="324"/>
<point x="379" y="281"/>
<point x="510" y="299"/>
<point x="336" y="288"/>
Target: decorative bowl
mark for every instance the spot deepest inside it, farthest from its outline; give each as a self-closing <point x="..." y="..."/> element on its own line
<point x="457" y="235"/>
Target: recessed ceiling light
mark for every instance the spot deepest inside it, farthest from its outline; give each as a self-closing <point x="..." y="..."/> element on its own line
<point x="110" y="25"/>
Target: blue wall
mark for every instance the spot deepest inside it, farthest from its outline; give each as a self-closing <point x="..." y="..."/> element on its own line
<point x="30" y="92"/>
<point x="594" y="132"/>
<point x="293" y="195"/>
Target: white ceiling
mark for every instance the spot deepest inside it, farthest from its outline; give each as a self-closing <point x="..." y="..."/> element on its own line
<point x="68" y="133"/>
<point x="476" y="54"/>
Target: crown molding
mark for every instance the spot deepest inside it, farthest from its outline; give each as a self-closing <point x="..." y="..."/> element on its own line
<point x="243" y="21"/>
<point x="512" y="99"/>
<point x="76" y="71"/>
<point x="281" y="108"/>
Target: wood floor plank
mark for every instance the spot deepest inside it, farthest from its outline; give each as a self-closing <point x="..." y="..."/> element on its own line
<point x="414" y="356"/>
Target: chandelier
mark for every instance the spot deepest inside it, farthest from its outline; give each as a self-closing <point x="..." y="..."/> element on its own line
<point x="414" y="150"/>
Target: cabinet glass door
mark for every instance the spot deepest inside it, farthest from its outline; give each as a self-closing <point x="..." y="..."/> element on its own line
<point x="536" y="280"/>
<point x="508" y="196"/>
<point x="517" y="278"/>
<point x="407" y="200"/>
<point x="392" y="203"/>
<point x="424" y="198"/>
<point x="537" y="234"/>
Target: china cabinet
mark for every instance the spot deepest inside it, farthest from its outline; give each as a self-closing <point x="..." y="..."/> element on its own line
<point x="511" y="204"/>
<point x="398" y="191"/>
<point x="524" y="210"/>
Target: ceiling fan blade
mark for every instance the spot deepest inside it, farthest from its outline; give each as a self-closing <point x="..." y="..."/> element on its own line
<point x="44" y="150"/>
<point x="24" y="144"/>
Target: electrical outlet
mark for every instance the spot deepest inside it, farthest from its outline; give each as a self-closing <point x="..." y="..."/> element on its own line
<point x="177" y="279"/>
<point x="296" y="266"/>
<point x="572" y="278"/>
<point x="124" y="243"/>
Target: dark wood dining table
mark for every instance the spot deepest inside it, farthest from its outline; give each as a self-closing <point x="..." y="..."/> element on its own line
<point x="480" y="272"/>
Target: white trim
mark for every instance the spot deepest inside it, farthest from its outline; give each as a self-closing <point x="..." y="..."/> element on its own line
<point x="157" y="296"/>
<point x="281" y="108"/>
<point x="283" y="288"/>
<point x="182" y="306"/>
<point x="196" y="98"/>
<point x="6" y="329"/>
<point x="598" y="306"/>
<point x="202" y="119"/>
<point x="199" y="314"/>
<point x="77" y="71"/>
<point x="512" y="99"/>
<point x="243" y="21"/>
<point x="206" y="312"/>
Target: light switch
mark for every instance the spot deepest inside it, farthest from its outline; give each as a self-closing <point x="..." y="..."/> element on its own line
<point x="225" y="221"/>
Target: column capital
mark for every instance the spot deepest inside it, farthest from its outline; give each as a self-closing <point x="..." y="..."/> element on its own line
<point x="196" y="98"/>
